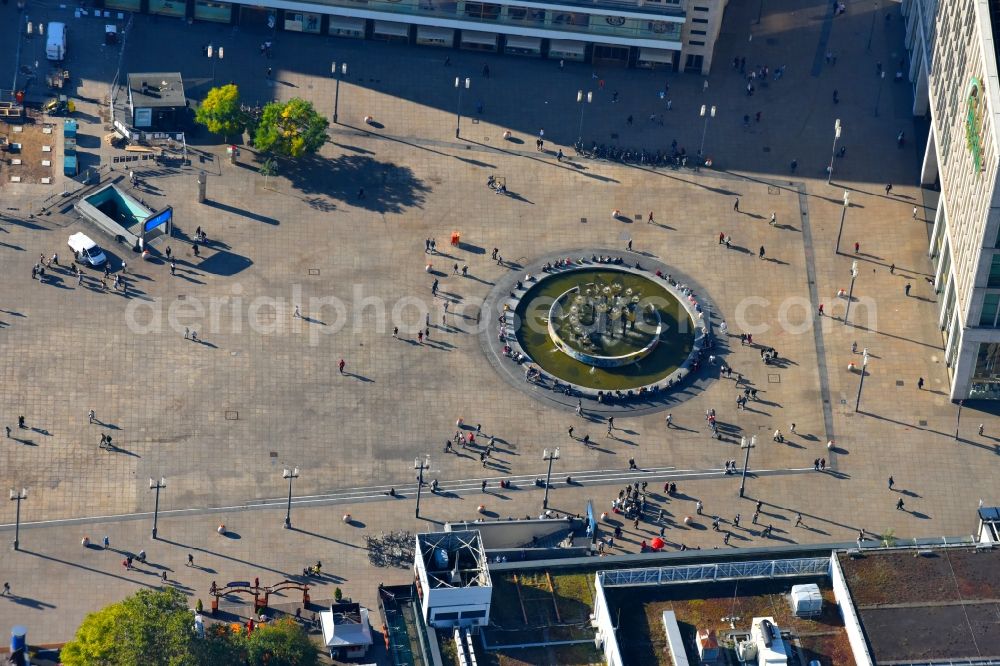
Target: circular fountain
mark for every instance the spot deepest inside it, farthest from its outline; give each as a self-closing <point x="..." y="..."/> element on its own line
<point x="602" y="324"/>
<point x="601" y="327"/>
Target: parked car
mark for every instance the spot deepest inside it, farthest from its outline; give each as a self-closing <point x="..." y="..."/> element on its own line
<point x="86" y="250"/>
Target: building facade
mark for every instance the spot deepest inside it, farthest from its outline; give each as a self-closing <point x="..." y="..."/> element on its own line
<point x="962" y="157"/>
<point x="677" y="35"/>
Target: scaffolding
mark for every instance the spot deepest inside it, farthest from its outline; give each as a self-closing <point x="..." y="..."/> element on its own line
<point x="706" y="573"/>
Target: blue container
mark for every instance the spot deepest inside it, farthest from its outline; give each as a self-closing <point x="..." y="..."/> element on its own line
<point x="18" y="638"/>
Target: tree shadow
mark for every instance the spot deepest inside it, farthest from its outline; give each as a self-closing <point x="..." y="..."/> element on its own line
<point x="390" y="188"/>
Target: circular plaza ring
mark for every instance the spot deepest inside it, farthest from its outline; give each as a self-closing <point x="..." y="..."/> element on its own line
<point x="598" y="325"/>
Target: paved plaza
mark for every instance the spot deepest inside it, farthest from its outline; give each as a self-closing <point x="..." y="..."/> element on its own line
<point x="341" y="236"/>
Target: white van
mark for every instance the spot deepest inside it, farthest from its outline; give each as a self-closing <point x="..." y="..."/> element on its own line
<point x="55" y="47"/>
<point x="85" y="250"/>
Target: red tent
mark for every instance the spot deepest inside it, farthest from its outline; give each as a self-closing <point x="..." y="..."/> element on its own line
<point x="657" y="543"/>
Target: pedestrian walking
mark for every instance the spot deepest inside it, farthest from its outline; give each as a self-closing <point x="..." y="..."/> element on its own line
<point x="914" y="212"/>
<point x="761" y="253"/>
<point x="774" y="219"/>
<point x="736" y="520"/>
<point x="699" y="507"/>
<point x="899" y="504"/>
<point x="892" y="482"/>
<point x="756" y="515"/>
<point x="484" y="480"/>
<point x="91" y="416"/>
<point x="857" y="247"/>
<point x="980" y="429"/>
<point x="794" y="165"/>
<point x="6" y="589"/>
<point x="906" y="289"/>
<point x="341" y="365"/>
<point x="190" y="561"/>
<point x="725" y="539"/>
<point x="7" y="428"/>
<point x="570" y="431"/>
<point x="395" y="332"/>
<point x="820" y="309"/>
<point x="298" y="313"/>
<point x="736" y="205"/>
<point x="920" y="383"/>
<point x="173" y="268"/>
<point x="798" y="519"/>
<point x="611" y="423"/>
<point x="670" y="420"/>
<point x="168" y="251"/>
<point x="631" y="464"/>
<point x="888" y="188"/>
<point x="650" y="219"/>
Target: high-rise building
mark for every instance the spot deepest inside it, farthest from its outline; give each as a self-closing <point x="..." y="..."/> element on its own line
<point x="954" y="44"/>
<point x="678" y="35"/>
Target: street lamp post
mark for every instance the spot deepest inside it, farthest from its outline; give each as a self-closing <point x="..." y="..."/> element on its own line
<point x="338" y="72"/>
<point x="157" y="486"/>
<point x="704" y="131"/>
<point x="746" y="461"/>
<point x="291" y="475"/>
<point x="459" y="85"/>
<point x="878" y="95"/>
<point x="958" y="421"/>
<point x="850" y="293"/>
<point x="580" y="99"/>
<point x="549" y="456"/>
<point x="843" y="214"/>
<point x="864" y="365"/>
<point x="210" y="51"/>
<point x="420" y="466"/>
<point x="18" y="497"/>
<point x="833" y="153"/>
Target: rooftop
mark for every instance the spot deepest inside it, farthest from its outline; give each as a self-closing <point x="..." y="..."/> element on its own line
<point x="157" y="89"/>
<point x="454" y="559"/>
<point x="727" y="608"/>
<point x="929" y="604"/>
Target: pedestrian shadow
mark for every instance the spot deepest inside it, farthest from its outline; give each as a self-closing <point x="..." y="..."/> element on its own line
<point x="114" y="448"/>
<point x="362" y="378"/>
<point x="30" y="602"/>
<point x="918" y="514"/>
<point x="313" y="320"/>
<point x="25" y="441"/>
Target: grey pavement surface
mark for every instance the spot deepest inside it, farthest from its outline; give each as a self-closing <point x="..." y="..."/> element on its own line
<point x="221" y="418"/>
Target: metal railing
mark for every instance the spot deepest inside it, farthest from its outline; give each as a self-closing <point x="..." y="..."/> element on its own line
<point x="697" y="573"/>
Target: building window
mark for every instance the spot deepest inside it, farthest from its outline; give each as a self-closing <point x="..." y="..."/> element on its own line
<point x="698" y="32"/>
<point x="445" y="616"/>
<point x="994" y="278"/>
<point x="986" y="376"/>
<point x="695" y="42"/>
<point x="468" y="615"/>
<point x="988" y="317"/>
<point x="693" y="63"/>
<point x="698" y="20"/>
<point x="700" y="9"/>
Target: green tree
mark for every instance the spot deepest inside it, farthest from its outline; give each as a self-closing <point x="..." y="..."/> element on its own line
<point x="280" y="643"/>
<point x="220" y="111"/>
<point x="268" y="168"/>
<point x="150" y="627"/>
<point x="290" y="129"/>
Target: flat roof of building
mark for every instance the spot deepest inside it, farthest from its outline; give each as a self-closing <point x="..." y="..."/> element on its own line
<point x="927" y="605"/>
<point x="162" y="89"/>
<point x="725" y="608"/>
